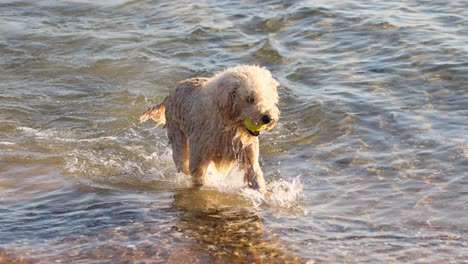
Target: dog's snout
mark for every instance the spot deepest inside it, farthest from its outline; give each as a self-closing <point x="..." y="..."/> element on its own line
<point x="266" y="119"/>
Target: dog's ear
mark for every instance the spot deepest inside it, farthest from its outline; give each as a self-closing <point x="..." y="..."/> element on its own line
<point x="227" y="96"/>
<point x="232" y="101"/>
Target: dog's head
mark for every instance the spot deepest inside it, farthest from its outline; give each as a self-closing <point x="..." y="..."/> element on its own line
<point x="248" y="92"/>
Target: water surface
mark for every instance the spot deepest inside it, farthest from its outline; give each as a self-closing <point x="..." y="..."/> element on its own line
<point x="368" y="163"/>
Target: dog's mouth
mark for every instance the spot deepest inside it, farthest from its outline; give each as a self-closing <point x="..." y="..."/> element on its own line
<point x="255" y="134"/>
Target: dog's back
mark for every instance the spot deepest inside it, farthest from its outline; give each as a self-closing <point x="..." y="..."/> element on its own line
<point x="182" y="98"/>
<point x="181" y="101"/>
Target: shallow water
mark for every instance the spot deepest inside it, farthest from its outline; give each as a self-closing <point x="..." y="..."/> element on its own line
<point x="368" y="163"/>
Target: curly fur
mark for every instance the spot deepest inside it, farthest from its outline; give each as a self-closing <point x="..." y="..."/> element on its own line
<point x="204" y="121"/>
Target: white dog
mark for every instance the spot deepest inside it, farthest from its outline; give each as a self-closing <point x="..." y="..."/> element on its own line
<point x="217" y="120"/>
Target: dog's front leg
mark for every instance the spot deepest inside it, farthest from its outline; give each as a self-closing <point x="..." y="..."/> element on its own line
<point x="253" y="172"/>
<point x="255" y="179"/>
<point x="198" y="172"/>
<point x="198" y="175"/>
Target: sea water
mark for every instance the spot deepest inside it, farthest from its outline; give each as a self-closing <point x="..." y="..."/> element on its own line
<point x="368" y="163"/>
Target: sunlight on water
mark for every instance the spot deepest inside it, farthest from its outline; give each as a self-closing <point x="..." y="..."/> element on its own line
<point x="228" y="182"/>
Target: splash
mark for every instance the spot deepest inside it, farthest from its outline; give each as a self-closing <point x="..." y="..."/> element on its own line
<point x="281" y="193"/>
<point x="285" y="194"/>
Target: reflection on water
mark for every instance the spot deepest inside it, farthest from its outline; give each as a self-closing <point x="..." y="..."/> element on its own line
<point x="224" y="226"/>
<point x="367" y="164"/>
<point x="91" y="222"/>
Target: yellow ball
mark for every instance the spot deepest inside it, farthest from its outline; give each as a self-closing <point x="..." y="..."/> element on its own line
<point x="251" y="126"/>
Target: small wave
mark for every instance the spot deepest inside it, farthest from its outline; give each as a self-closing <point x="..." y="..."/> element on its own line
<point x="267" y="51"/>
<point x="48" y="134"/>
<point x="133" y="166"/>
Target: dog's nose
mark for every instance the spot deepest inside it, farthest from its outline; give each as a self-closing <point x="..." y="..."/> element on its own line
<point x="266" y="119"/>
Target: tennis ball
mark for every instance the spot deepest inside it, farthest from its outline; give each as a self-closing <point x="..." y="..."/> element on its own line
<point x="252" y="126"/>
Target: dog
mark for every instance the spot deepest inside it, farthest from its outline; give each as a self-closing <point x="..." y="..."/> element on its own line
<point x="218" y="120"/>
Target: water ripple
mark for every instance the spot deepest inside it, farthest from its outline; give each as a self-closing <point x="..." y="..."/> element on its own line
<point x="367" y="162"/>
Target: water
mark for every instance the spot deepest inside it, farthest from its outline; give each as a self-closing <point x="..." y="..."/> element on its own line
<point x="368" y="163"/>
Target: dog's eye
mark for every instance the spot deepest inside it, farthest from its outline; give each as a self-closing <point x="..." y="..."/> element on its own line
<point x="250" y="100"/>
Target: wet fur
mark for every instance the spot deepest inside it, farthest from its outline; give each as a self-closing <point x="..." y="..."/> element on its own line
<point x="204" y="121"/>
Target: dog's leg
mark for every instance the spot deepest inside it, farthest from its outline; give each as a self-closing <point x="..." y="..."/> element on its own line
<point x="200" y="159"/>
<point x="198" y="174"/>
<point x="180" y="148"/>
<point x="253" y="172"/>
<point x="254" y="177"/>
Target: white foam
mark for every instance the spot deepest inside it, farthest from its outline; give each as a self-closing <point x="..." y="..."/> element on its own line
<point x="284" y="193"/>
<point x="130" y="166"/>
<point x="281" y="193"/>
<point x="29" y="130"/>
<point x="61" y="136"/>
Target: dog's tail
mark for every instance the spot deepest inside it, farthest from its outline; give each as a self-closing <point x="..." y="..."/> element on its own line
<point x="156" y="112"/>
